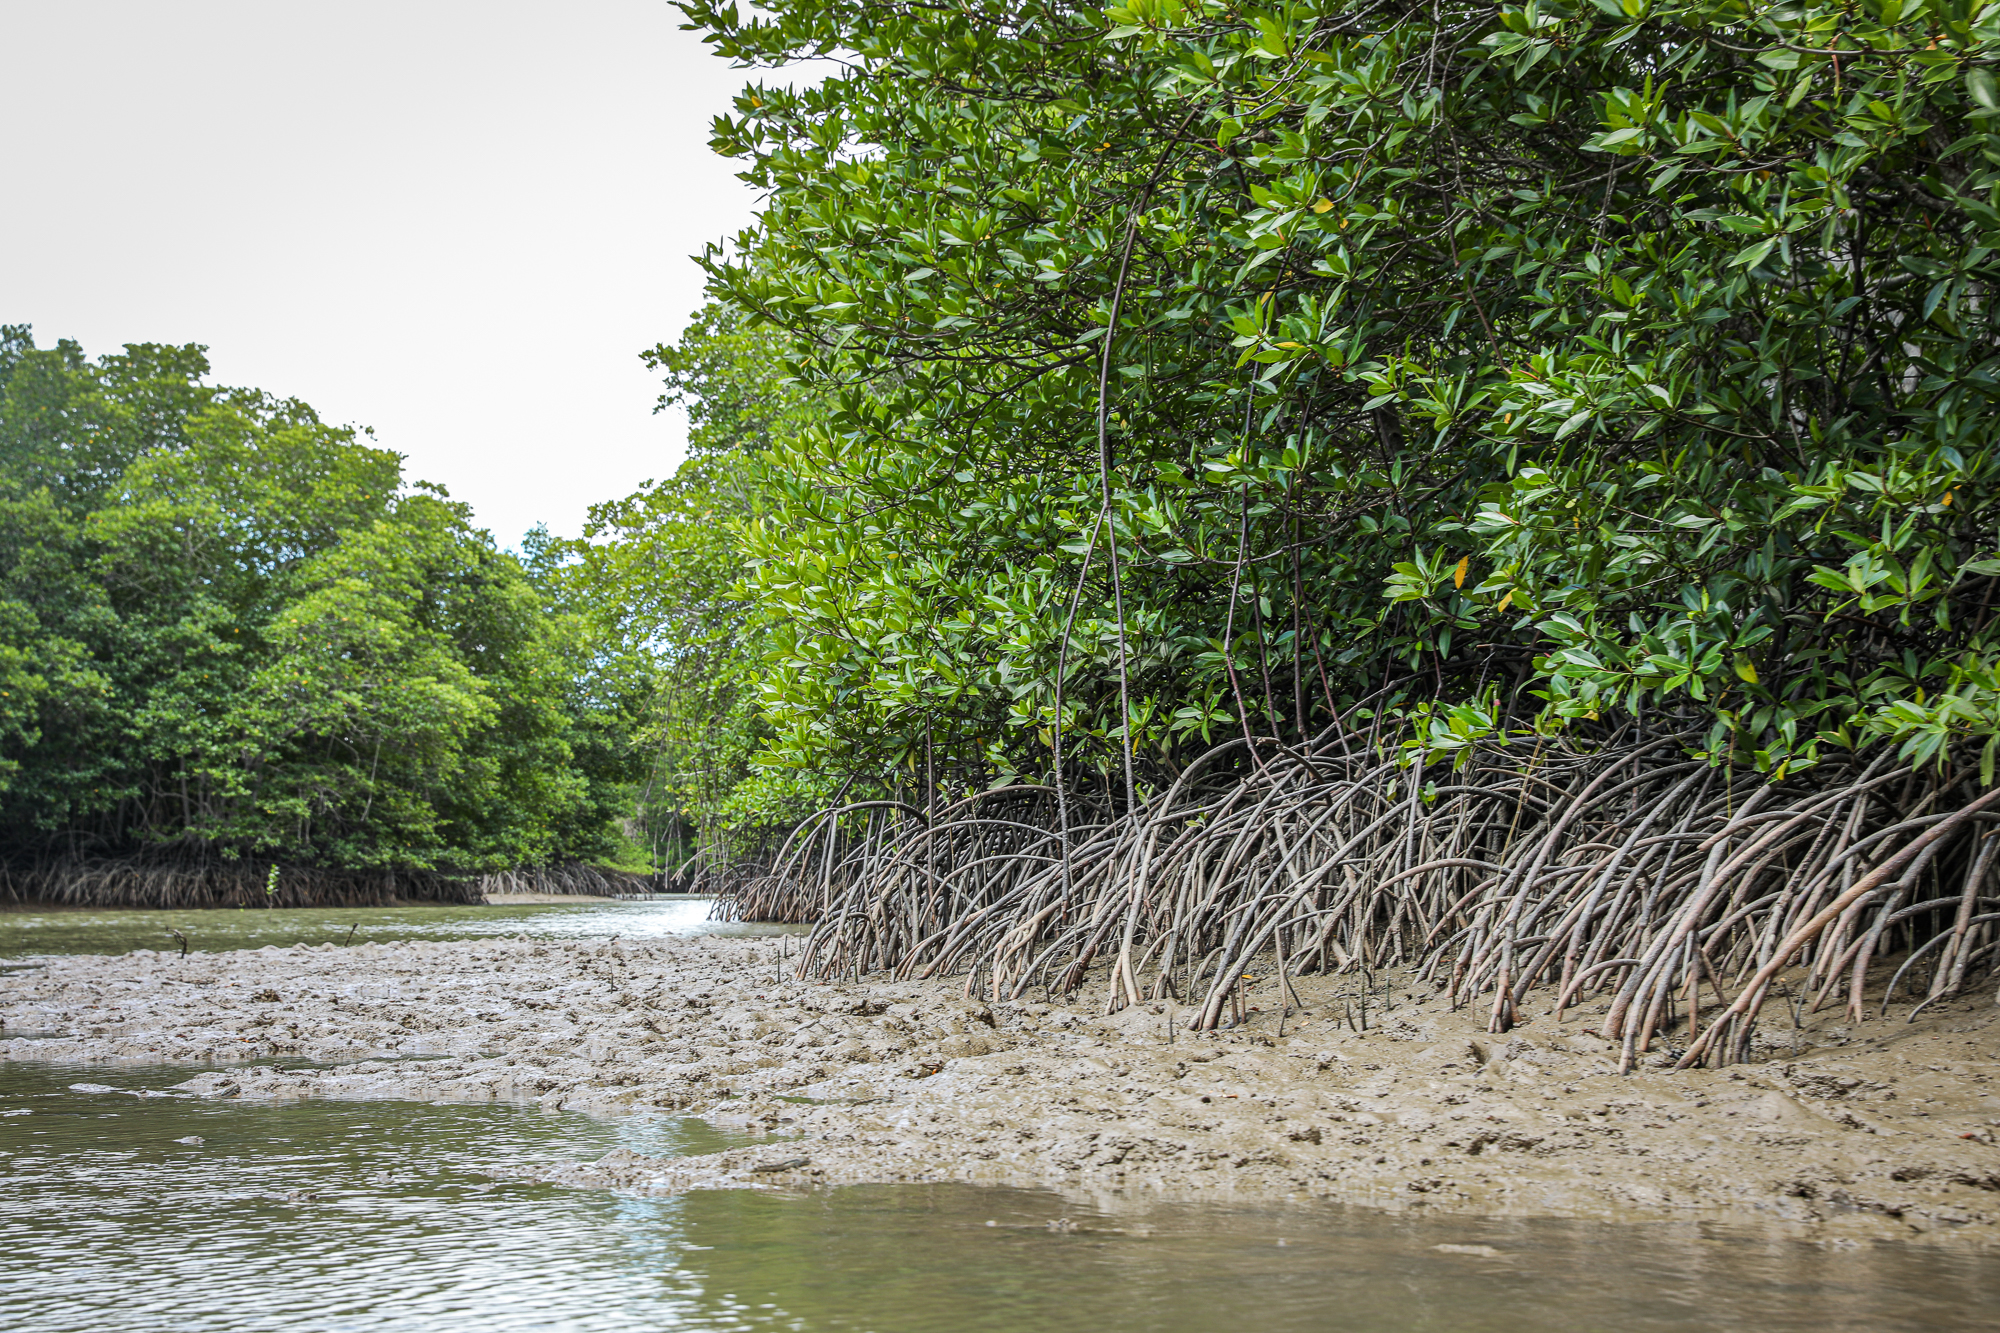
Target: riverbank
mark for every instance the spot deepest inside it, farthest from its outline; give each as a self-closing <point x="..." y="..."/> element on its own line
<point x="543" y="899"/>
<point x="1883" y="1131"/>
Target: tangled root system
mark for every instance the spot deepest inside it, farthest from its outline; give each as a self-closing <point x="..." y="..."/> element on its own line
<point x="1681" y="896"/>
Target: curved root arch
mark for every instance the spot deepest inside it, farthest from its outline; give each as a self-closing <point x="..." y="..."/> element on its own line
<point x="1682" y="897"/>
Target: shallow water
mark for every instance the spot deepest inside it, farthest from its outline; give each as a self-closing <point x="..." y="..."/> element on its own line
<point x="121" y="930"/>
<point x="342" y="1216"/>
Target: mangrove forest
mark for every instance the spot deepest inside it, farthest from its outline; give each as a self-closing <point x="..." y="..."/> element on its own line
<point x="1508" y="491"/>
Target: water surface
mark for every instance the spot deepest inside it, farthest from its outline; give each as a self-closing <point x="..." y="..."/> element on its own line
<point x="339" y="1217"/>
<point x="25" y="932"/>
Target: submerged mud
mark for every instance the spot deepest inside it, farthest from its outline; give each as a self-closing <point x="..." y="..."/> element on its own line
<point x="1882" y="1130"/>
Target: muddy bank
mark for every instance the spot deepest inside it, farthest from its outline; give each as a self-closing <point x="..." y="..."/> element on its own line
<point x="538" y="899"/>
<point x="1884" y="1130"/>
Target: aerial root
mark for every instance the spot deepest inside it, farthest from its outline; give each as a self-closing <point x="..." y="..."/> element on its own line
<point x="1671" y="893"/>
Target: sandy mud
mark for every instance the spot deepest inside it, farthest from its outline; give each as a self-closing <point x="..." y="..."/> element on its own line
<point x="1883" y="1130"/>
<point x="542" y="899"/>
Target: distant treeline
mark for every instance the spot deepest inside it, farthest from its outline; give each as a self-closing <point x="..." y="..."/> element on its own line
<point x="230" y="631"/>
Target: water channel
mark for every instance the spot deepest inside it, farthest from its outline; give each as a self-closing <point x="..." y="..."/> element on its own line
<point x="28" y="931"/>
<point x="127" y="1207"/>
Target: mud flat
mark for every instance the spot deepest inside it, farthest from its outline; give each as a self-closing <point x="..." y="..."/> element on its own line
<point x="1885" y="1130"/>
<point x="543" y="899"/>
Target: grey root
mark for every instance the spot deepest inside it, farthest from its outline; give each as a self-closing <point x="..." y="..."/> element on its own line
<point x="1689" y="897"/>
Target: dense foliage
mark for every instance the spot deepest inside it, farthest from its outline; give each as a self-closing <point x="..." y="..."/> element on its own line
<point x="1236" y="368"/>
<point x="231" y="628"/>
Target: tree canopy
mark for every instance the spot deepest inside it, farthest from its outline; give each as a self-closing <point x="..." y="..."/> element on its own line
<point x="234" y="628"/>
<point x="1233" y="368"/>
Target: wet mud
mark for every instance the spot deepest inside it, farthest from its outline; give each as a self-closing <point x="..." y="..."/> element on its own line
<point x="1839" y="1134"/>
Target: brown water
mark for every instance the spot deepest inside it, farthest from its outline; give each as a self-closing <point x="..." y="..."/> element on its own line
<point x="28" y="931"/>
<point x="342" y="1216"/>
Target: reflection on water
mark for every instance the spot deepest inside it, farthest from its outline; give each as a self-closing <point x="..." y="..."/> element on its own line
<point x="121" y="930"/>
<point x="314" y="1215"/>
<point x="373" y="1216"/>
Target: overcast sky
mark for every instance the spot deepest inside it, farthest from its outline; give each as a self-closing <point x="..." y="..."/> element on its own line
<point x="455" y="221"/>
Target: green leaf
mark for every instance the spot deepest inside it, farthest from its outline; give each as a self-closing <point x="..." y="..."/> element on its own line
<point x="1752" y="255"/>
<point x="1982" y="89"/>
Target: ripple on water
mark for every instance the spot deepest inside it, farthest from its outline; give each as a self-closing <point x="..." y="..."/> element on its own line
<point x="375" y="1216"/>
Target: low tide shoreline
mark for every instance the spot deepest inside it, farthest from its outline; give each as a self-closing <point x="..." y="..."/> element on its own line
<point x="1884" y="1131"/>
<point x="542" y="899"/>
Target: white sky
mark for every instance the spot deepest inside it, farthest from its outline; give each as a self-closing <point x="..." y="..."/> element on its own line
<point x="455" y="221"/>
